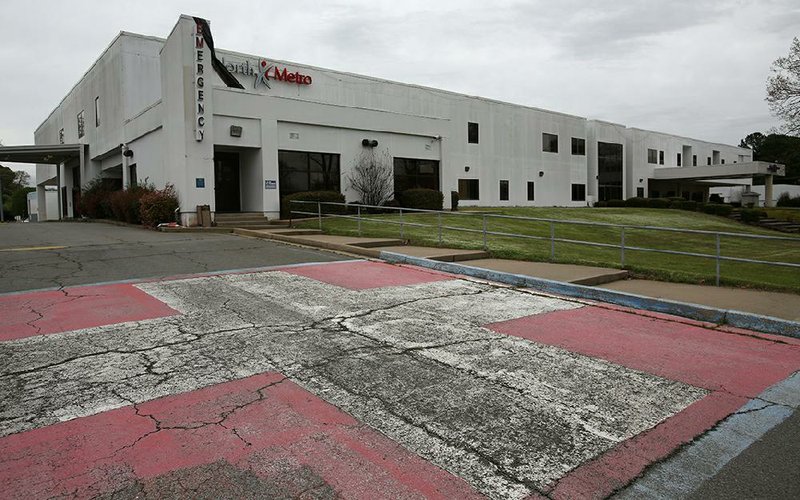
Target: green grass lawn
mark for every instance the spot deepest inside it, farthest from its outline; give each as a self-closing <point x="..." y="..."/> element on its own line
<point x="643" y="264"/>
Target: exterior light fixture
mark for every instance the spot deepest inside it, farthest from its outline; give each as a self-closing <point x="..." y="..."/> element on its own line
<point x="128" y="153"/>
<point x="369" y="143"/>
<point x="236" y="131"/>
<point x="541" y="173"/>
<point x="466" y="169"/>
<point x="641" y="180"/>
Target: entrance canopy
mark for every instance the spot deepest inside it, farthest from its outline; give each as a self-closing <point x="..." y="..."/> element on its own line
<point x="54" y="154"/>
<point x="730" y="171"/>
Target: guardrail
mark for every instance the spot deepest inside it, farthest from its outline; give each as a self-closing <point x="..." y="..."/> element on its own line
<point x="356" y="212"/>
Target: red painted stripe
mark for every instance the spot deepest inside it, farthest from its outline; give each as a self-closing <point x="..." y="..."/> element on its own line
<point x="364" y="275"/>
<point x="701" y="357"/>
<point x="616" y="468"/>
<point x="281" y="433"/>
<point x="75" y="308"/>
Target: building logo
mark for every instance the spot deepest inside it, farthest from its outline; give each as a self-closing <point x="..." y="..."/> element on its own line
<point x="264" y="73"/>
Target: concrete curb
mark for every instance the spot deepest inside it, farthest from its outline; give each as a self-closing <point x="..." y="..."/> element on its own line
<point x="338" y="247"/>
<point x="739" y="319"/>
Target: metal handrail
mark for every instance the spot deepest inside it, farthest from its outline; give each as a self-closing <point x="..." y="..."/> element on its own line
<point x="552" y="238"/>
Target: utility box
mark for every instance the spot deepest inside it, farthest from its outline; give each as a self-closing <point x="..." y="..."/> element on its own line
<point x="204" y="215"/>
<point x="750" y="199"/>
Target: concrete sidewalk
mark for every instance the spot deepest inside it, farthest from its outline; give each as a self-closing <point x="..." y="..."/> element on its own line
<point x="779" y="305"/>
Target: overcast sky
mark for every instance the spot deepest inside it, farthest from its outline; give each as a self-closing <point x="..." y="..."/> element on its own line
<point x="690" y="67"/>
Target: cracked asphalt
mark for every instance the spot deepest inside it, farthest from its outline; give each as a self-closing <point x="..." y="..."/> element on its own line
<point x="98" y="252"/>
<point x="302" y="382"/>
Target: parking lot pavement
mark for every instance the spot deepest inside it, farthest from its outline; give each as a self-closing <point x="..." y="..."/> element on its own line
<point x="60" y="254"/>
<point x="357" y="379"/>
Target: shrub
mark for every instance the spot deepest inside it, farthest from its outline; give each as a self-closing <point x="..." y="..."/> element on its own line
<point x="322" y="196"/>
<point x="427" y="199"/>
<point x="96" y="199"/>
<point x="454" y="198"/>
<point x="717" y="209"/>
<point x="600" y="204"/>
<point x="125" y="204"/>
<point x="658" y="203"/>
<point x="785" y="200"/>
<point x="689" y="205"/>
<point x="615" y="203"/>
<point x="636" y="202"/>
<point x="158" y="206"/>
<point x="752" y="215"/>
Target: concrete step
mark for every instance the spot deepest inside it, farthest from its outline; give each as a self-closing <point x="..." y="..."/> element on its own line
<point x="243" y="223"/>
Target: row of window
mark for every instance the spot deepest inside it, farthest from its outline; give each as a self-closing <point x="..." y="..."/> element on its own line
<point x="657" y="157"/>
<point x="549" y="141"/>
<point x="469" y="190"/>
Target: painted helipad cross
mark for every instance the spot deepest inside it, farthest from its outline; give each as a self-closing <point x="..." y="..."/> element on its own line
<point x="361" y="379"/>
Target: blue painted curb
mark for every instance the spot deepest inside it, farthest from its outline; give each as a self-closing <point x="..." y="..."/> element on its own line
<point x="738" y="319"/>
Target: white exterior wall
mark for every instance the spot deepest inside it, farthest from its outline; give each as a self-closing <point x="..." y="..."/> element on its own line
<point x="147" y="89"/>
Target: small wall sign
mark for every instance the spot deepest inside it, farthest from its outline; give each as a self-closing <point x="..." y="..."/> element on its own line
<point x="200" y="182"/>
<point x="270" y="184"/>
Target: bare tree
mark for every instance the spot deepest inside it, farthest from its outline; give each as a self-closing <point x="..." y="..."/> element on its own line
<point x="372" y="176"/>
<point x="783" y="88"/>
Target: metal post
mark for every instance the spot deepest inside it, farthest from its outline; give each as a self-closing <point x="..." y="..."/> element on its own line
<point x="402" y="231"/>
<point x="485" y="245"/>
<point x="439" y="218"/>
<point x="718" y="259"/>
<point x="552" y="241"/>
<point x="359" y="220"/>
<point x="319" y="215"/>
<point x="622" y="249"/>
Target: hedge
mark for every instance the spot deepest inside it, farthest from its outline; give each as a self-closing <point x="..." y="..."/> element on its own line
<point x="322" y="196"/>
<point x="615" y="203"/>
<point x="454" y="199"/>
<point x="125" y="204"/>
<point x="658" y="203"/>
<point x="717" y="209"/>
<point x="427" y="199"/>
<point x="636" y="202"/>
<point x="752" y="214"/>
<point x="785" y="200"/>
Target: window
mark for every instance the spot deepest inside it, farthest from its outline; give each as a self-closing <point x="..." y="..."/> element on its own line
<point x="61" y="136"/>
<point x="300" y="171"/>
<point x="640" y="192"/>
<point x="468" y="189"/>
<point x="549" y="143"/>
<point x="578" y="146"/>
<point x="531" y="191"/>
<point x="652" y="156"/>
<point x="80" y="125"/>
<point x="679" y="159"/>
<point x="133" y="180"/>
<point x="694" y="160"/>
<point x="723" y="161"/>
<point x="503" y="190"/>
<point x="472" y="133"/>
<point x="660" y="157"/>
<point x="709" y="161"/>
<point x="609" y="171"/>
<point x="411" y="173"/>
<point x="579" y="192"/>
<point x="97" y="111"/>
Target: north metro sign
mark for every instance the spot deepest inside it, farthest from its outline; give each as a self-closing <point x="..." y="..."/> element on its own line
<point x="264" y="72"/>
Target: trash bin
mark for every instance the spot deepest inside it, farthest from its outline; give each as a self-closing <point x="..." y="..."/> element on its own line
<point x="204" y="215"/>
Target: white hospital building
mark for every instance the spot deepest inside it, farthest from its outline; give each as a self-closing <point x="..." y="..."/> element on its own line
<point x="240" y="136"/>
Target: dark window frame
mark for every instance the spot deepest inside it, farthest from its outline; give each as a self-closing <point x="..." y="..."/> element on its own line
<point x="548" y="141"/>
<point x="473" y="133"/>
<point x="652" y="156"/>
<point x="578" y="192"/>
<point x="694" y="160"/>
<point x="415" y="179"/>
<point x="97" y="111"/>
<point x="531" y="191"/>
<point x="81" y="124"/>
<point x="468" y="187"/>
<point x="578" y="146"/>
<point x="660" y="157"/>
<point x="504" y="190"/>
<point x="334" y="180"/>
<point x="679" y="159"/>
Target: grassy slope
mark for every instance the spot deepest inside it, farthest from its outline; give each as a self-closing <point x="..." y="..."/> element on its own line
<point x="646" y="264"/>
